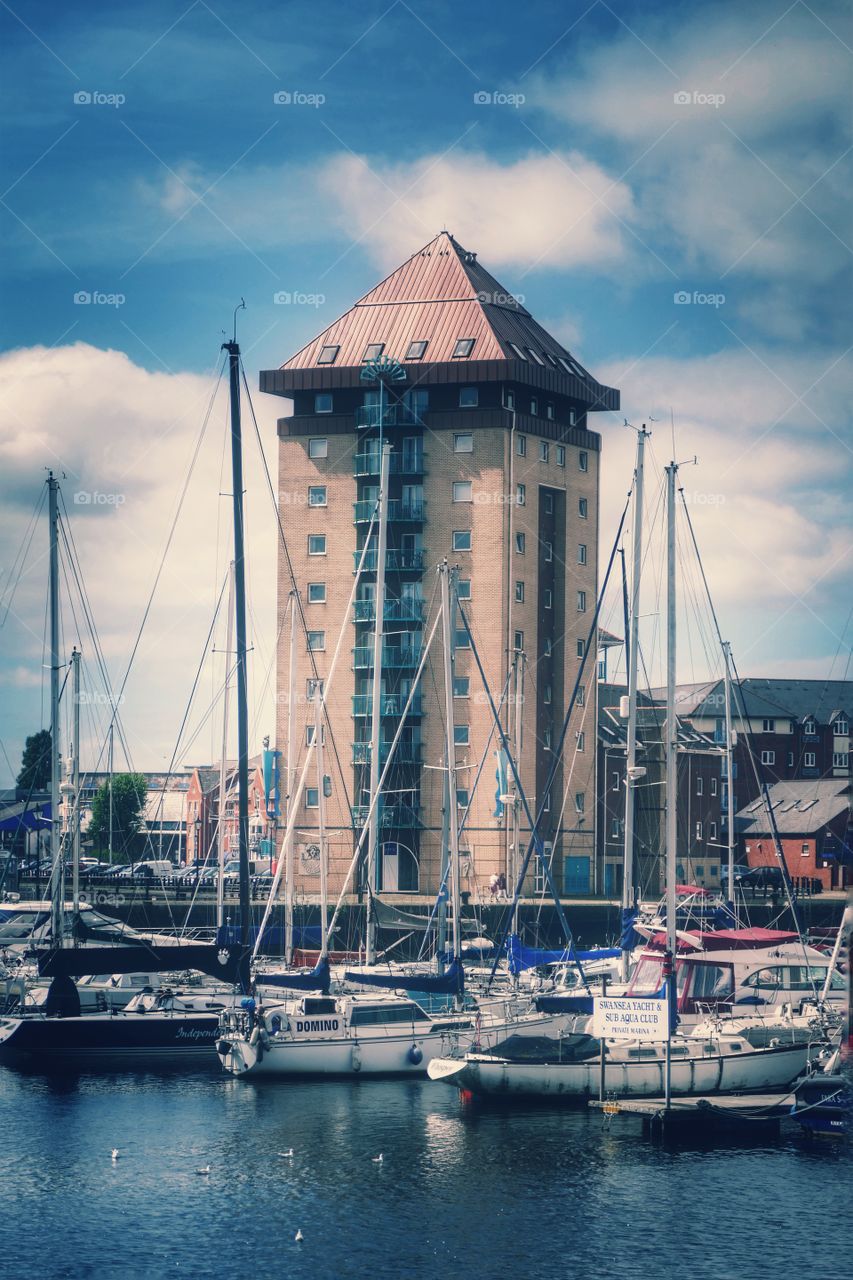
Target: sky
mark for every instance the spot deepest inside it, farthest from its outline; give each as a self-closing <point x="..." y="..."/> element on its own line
<point x="661" y="183"/>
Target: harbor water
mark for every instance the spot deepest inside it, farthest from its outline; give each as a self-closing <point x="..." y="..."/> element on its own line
<point x="461" y="1191"/>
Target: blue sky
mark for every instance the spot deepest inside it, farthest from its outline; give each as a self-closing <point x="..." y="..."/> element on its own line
<point x="626" y="156"/>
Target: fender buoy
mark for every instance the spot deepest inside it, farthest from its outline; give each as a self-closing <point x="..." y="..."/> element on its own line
<point x="415" y="1055"/>
<point x="355" y="1058"/>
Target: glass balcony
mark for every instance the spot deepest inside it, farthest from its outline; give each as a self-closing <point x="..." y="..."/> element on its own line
<point x="400" y="509"/>
<point x="393" y="415"/>
<point x="393" y="659"/>
<point x="392" y="815"/>
<point x="408" y="462"/>
<point x="391" y="704"/>
<point x="394" y="611"/>
<point x="405" y="753"/>
<point x="395" y="561"/>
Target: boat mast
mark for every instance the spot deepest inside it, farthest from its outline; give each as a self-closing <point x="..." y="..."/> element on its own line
<point x="671" y="765"/>
<point x="56" y="858"/>
<point x="75" y="781"/>
<point x="631" y="775"/>
<point x="730" y="831"/>
<point x="450" y="749"/>
<point x="233" y="350"/>
<point x="110" y="785"/>
<point x="291" y="779"/>
<point x="223" y="772"/>
<point x="317" y="695"/>
<point x="373" y="843"/>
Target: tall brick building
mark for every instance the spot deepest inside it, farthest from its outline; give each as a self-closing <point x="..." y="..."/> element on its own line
<point x="495" y="469"/>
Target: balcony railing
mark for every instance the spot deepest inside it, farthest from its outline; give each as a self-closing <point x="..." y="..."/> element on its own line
<point x="405" y="753"/>
<point x="390" y="704"/>
<point x="393" y="415"/>
<point x="399" y="509"/>
<point x="394" y="611"/>
<point x="395" y="560"/>
<point x="407" y="462"/>
<point x="396" y="815"/>
<point x="393" y="659"/>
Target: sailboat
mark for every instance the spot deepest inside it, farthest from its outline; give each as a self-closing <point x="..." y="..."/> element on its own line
<point x="162" y="1030"/>
<point x="713" y="1057"/>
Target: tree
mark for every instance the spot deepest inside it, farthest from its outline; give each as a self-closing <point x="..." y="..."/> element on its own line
<point x="35" y="762"/>
<point x="128" y="804"/>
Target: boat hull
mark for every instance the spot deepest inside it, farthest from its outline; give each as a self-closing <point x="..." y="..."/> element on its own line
<point x="109" y="1041"/>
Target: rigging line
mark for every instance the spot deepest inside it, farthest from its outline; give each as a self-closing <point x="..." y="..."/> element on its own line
<point x="534" y="842"/>
<point x="20" y="560"/>
<point x="294" y="586"/>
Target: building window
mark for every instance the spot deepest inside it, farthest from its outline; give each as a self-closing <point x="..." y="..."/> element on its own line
<point x="463" y="588"/>
<point x="698" y="830"/>
<point x="841" y="729"/>
<point x="583" y="508"/>
<point x="309" y="735"/>
<point x="461" y="540"/>
<point x="840" y="759"/>
<point x="534" y="355"/>
<point x="581" y="741"/>
<point x="373" y="350"/>
<point x="416" y="350"/>
<point x="810" y="728"/>
<point x="316" y="593"/>
<point x="768" y="726"/>
<point x="521" y="494"/>
<point x="546" y="695"/>
<point x="546" y="803"/>
<point x="581" y="698"/>
<point x="520" y="543"/>
<point x="712" y="830"/>
<point x="463" y="348"/>
<point x="581" y="553"/>
<point x="616" y="785"/>
<point x="580" y="648"/>
<point x="519" y="593"/>
<point x="548" y="503"/>
<point x="700" y="786"/>
<point x="548" y="649"/>
<point x="316" y="641"/>
<point x="518" y="641"/>
<point x="549" y="412"/>
<point x="614" y="828"/>
<point x="561" y="455"/>
<point x="713" y="786"/>
<point x="463" y="491"/>
<point x="469" y="397"/>
<point x="317" y="495"/>
<point x="318" y="447"/>
<point x="461" y="639"/>
<point x="316" y="544"/>
<point x="581" y="602"/>
<point x="583" y="460"/>
<point x="517" y="351"/>
<point x="810" y="759"/>
<point x="328" y="355"/>
<point x="312" y="798"/>
<point x="461" y="735"/>
<point x="768" y="757"/>
<point x="323" y="402"/>
<point x="544" y="451"/>
<point x="546" y="738"/>
<point x="508" y="398"/>
<point x="547" y="598"/>
<point x="805" y="849"/>
<point x="312" y="687"/>
<point x="572" y="417"/>
<point x="790" y="759"/>
<point x="534" y="407"/>
<point x="580" y="802"/>
<point x="461" y="798"/>
<point x="521" y="446"/>
<point x="461" y="686"/>
<point x="463" y="442"/>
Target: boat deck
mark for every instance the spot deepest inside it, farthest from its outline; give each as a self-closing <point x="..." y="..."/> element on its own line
<point x="720" y="1112"/>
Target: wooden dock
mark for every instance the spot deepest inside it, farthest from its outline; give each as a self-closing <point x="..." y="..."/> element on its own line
<point x="728" y="1113"/>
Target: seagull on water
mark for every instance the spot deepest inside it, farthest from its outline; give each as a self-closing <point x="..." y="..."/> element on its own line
<point x="378" y="1159"/>
<point x="287" y="1155"/>
<point x="299" y="1237"/>
<point x="114" y="1154"/>
<point x="204" y="1170"/>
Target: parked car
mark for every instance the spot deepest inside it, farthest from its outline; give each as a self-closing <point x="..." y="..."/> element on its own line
<point x="150" y="869"/>
<point x="762" y="879"/>
<point x="740" y="870"/>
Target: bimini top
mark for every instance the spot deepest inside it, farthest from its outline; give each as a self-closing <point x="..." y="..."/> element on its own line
<point x="726" y="939"/>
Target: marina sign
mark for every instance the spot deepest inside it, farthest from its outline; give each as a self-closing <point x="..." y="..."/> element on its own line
<point x="629" y="1018"/>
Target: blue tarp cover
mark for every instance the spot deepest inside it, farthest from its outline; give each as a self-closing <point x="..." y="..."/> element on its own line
<point x="520" y="957"/>
<point x="451" y="981"/>
<point x="318" y="979"/>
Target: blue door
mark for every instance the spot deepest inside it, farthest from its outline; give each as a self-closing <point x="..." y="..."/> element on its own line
<point x="576" y="876"/>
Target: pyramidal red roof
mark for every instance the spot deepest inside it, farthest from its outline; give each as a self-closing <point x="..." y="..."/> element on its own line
<point x="440" y="295"/>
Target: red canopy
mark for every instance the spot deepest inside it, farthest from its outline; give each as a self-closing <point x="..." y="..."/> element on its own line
<point x="726" y="939"/>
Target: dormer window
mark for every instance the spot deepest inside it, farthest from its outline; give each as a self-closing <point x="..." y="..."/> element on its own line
<point x="416" y="351"/>
<point x="463" y="348"/>
<point x="328" y="355"/>
<point x="373" y="350"/>
<point x="810" y="728"/>
<point x="534" y="355"/>
<point x="517" y="351"/>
